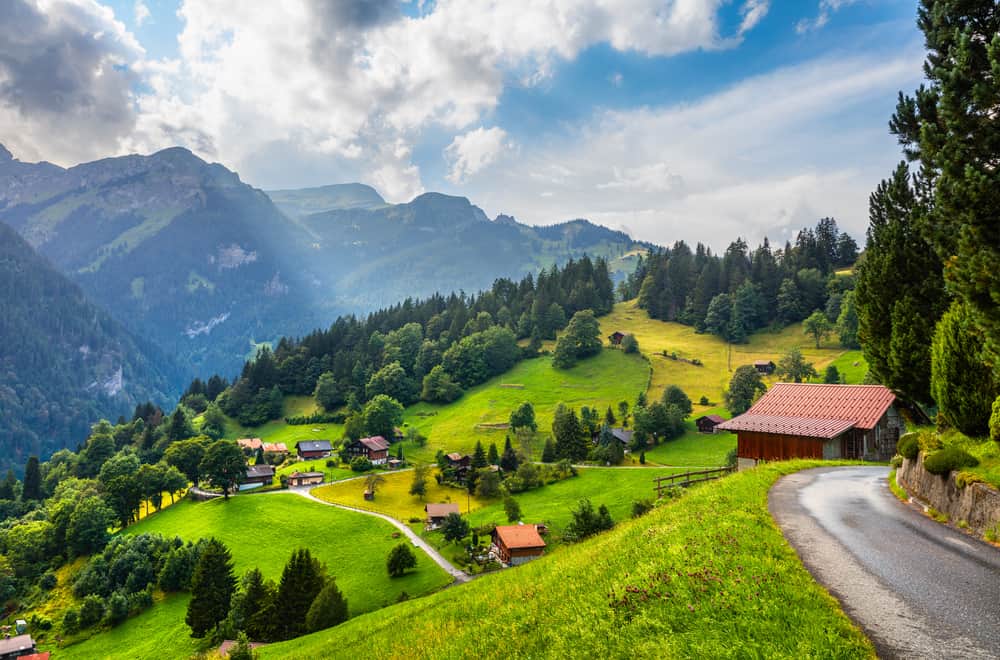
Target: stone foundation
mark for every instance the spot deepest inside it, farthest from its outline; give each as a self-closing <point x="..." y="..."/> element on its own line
<point x="976" y="504"/>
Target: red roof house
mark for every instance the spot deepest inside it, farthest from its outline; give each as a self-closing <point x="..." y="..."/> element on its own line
<point x="516" y="544"/>
<point x="804" y="420"/>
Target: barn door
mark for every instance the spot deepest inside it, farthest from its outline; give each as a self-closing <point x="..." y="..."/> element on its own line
<point x="853" y="445"/>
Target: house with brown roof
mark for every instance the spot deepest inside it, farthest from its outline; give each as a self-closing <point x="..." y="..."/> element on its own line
<point x="805" y="420"/>
<point x="708" y="423"/>
<point x="765" y="367"/>
<point x="298" y="479"/>
<point x="616" y="337"/>
<point x="12" y="648"/>
<point x="375" y="449"/>
<point x="516" y="544"/>
<point x="436" y="513"/>
<point x="275" y="448"/>
<point x="250" y="445"/>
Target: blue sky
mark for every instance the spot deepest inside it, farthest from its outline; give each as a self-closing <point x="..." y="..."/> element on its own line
<point x="695" y="119"/>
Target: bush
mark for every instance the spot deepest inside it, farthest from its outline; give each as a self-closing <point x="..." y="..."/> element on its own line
<point x="630" y="344"/>
<point x="942" y="462"/>
<point x="330" y="463"/>
<point x="117" y="608"/>
<point x="703" y="400"/>
<point x="361" y="464"/>
<point x="48" y="581"/>
<point x="909" y="446"/>
<point x="641" y="507"/>
<point x="71" y="620"/>
<point x="92" y="611"/>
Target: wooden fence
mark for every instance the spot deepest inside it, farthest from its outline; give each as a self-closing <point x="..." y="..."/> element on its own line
<point x="688" y="478"/>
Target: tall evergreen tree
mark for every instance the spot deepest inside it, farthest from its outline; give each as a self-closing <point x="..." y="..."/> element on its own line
<point x="329" y="608"/>
<point x="7" y="487"/>
<point x="479" y="456"/>
<point x="493" y="456"/>
<point x="302" y="579"/>
<point x="212" y="587"/>
<point x="569" y="440"/>
<point x="32" y="480"/>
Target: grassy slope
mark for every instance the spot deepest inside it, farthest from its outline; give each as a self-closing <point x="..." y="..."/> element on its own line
<point x="708" y="575"/>
<point x="600" y="381"/>
<point x="262" y="531"/>
<point x="393" y="497"/>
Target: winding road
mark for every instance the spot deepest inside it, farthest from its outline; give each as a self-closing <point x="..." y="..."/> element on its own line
<point x="917" y="588"/>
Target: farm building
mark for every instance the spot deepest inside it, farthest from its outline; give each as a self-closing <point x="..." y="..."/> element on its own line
<point x="275" y="448"/>
<point x="517" y="544"/>
<point x="297" y="479"/>
<point x="309" y="449"/>
<point x="765" y="367"/>
<point x="617" y="336"/>
<point x="436" y="513"/>
<point x="14" y="647"/>
<point x="250" y="444"/>
<point x="708" y="423"/>
<point x="375" y="449"/>
<point x="799" y="420"/>
<point x="257" y="475"/>
<point x="622" y="435"/>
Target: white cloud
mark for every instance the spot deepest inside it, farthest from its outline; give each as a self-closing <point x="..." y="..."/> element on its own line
<point x="141" y="11"/>
<point x="617" y="79"/>
<point x="753" y="12"/>
<point x="475" y="150"/>
<point x="826" y="8"/>
<point x="766" y="156"/>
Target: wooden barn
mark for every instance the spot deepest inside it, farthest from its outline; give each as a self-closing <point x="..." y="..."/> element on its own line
<point x="257" y="476"/>
<point x="375" y="449"/>
<point x="436" y="513"/>
<point x="708" y="423"/>
<point x="801" y="420"/>
<point x="617" y="336"/>
<point x="765" y="367"/>
<point x="517" y="544"/>
<point x="298" y="479"/>
<point x="312" y="449"/>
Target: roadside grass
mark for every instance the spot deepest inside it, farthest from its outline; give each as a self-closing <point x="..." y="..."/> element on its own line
<point x="719" y="359"/>
<point x="984" y="449"/>
<point x="599" y="381"/>
<point x="706" y="575"/>
<point x="896" y="489"/>
<point x="393" y="497"/>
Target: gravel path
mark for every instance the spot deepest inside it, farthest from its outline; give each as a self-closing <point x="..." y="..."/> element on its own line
<point x="917" y="588"/>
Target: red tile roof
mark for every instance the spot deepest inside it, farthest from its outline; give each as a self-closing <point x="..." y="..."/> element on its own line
<point x="804" y="426"/>
<point x="862" y="404"/>
<point x="249" y="443"/>
<point x="519" y="536"/>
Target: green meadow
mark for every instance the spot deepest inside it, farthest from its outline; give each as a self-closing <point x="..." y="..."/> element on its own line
<point x="705" y="575"/>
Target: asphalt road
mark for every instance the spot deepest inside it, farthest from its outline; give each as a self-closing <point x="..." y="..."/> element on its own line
<point x="917" y="588"/>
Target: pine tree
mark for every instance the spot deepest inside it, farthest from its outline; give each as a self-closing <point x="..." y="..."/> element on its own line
<point x="212" y="587"/>
<point x="509" y="460"/>
<point x="548" y="451"/>
<point x="32" y="480"/>
<point x="7" y="487"/>
<point x="492" y="456"/>
<point x="568" y="434"/>
<point x="609" y="417"/>
<point x="301" y="580"/>
<point x="479" y="456"/>
<point x="258" y="606"/>
<point x="328" y="609"/>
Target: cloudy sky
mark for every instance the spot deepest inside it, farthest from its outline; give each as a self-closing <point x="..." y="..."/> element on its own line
<point x="694" y="119"/>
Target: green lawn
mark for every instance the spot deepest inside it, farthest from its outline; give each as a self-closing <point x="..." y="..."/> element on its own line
<point x="262" y="531"/>
<point x="279" y="431"/>
<point x="707" y="575"/>
<point x="599" y="381"/>
<point x="393" y="497"/>
<point x="719" y="359"/>
<point x="331" y="474"/>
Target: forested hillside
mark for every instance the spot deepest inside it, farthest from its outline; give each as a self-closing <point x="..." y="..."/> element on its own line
<point x="65" y="363"/>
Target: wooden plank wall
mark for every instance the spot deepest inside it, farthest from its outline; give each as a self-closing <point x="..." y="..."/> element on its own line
<point x="775" y="447"/>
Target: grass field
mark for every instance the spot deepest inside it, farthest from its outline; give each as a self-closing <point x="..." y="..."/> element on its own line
<point x="719" y="359"/>
<point x="600" y="381"/>
<point x="279" y="431"/>
<point x="393" y="497"/>
<point x="707" y="575"/>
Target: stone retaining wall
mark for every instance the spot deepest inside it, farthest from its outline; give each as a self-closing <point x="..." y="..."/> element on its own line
<point x="976" y="504"/>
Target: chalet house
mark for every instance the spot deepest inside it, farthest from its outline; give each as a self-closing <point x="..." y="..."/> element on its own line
<point x="14" y="647"/>
<point x="375" y="449"/>
<point x="708" y="423"/>
<point x="298" y="479"/>
<point x="249" y="445"/>
<point x="617" y="336"/>
<point x="802" y="420"/>
<point x="257" y="476"/>
<point x="517" y="544"/>
<point x="309" y="449"/>
<point x="275" y="448"/>
<point x="765" y="367"/>
<point x="622" y="435"/>
<point x="457" y="460"/>
<point x="436" y="513"/>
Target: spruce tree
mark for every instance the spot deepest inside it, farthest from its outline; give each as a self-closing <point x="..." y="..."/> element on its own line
<point x="328" y="609"/>
<point x="7" y="487"/>
<point x="566" y="429"/>
<point x="479" y="456"/>
<point x="32" y="480"/>
<point x="609" y="417"/>
<point x="301" y="580"/>
<point x="492" y="456"/>
<point x="258" y="606"/>
<point x="548" y="451"/>
<point x="509" y="461"/>
<point x="212" y="587"/>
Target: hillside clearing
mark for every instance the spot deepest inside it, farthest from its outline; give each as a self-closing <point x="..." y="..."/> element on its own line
<point x="706" y="575"/>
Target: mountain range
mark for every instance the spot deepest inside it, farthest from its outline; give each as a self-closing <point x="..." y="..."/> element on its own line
<point x="182" y="252"/>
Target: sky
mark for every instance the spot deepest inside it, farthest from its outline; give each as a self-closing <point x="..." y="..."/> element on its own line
<point x="700" y="120"/>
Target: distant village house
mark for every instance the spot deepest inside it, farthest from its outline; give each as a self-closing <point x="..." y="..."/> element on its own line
<point x="275" y="448"/>
<point x="802" y="420"/>
<point x="375" y="449"/>
<point x="310" y="449"/>
<point x="299" y="479"/>
<point x="765" y="367"/>
<point x="257" y="476"/>
<point x="250" y="445"/>
<point x="708" y="423"/>
<point x="516" y="544"/>
<point x="14" y="647"/>
<point x="617" y="336"/>
<point x="436" y="513"/>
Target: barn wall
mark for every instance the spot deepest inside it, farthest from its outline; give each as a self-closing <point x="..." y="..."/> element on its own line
<point x="777" y="447"/>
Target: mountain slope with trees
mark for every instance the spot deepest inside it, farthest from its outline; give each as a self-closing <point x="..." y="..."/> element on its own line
<point x="65" y="363"/>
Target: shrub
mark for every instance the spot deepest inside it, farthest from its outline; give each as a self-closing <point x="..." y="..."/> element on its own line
<point x="943" y="461"/>
<point x="909" y="446"/>
<point x="48" y="581"/>
<point x="360" y="464"/>
<point x="117" y="608"/>
<point x="40" y="622"/>
<point x="330" y="463"/>
<point x="630" y="344"/>
<point x="71" y="620"/>
<point x="92" y="611"/>
<point x="703" y="400"/>
<point x="641" y="508"/>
